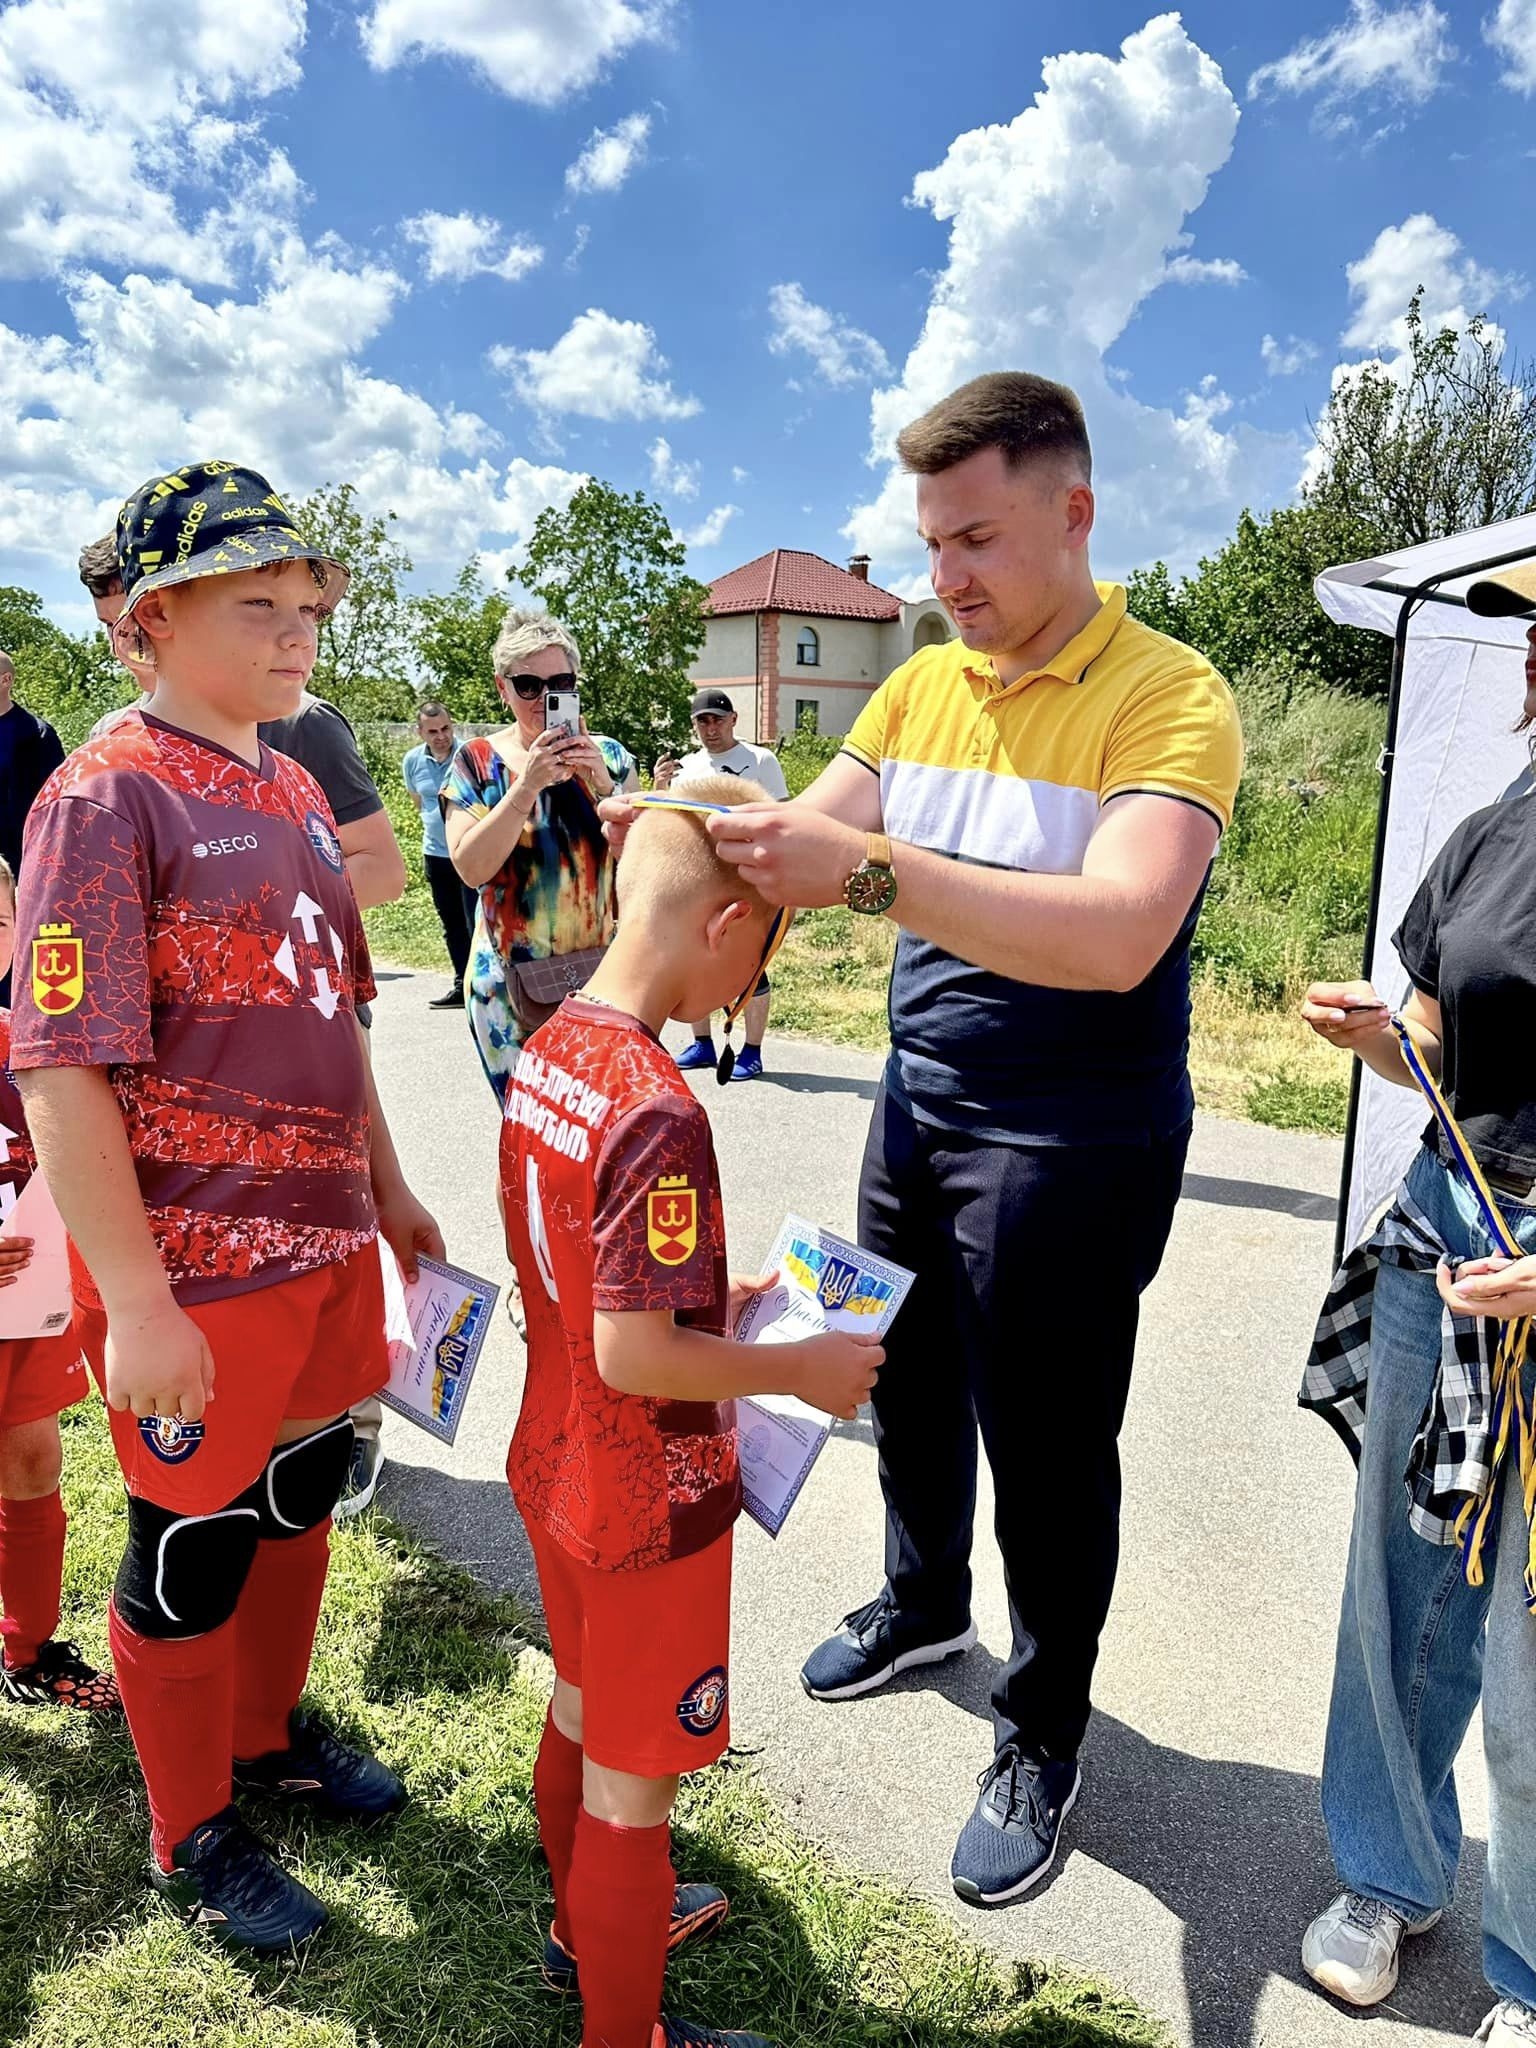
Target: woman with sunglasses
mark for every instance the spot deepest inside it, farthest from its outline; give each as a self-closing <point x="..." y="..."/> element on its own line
<point x="523" y="831"/>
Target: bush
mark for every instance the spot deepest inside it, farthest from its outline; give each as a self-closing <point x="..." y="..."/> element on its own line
<point x="803" y="756"/>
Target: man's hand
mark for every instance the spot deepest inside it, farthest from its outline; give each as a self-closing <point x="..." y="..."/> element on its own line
<point x="835" y="1373"/>
<point x="409" y="1229"/>
<point x="1346" y="1013"/>
<point x="158" y="1363"/>
<point x="1496" y="1286"/>
<point x="15" y="1257"/>
<point x="789" y="852"/>
<point x="665" y="772"/>
<point x="744" y="1288"/>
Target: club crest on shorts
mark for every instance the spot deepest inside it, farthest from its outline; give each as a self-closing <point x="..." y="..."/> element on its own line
<point x="672" y="1221"/>
<point x="701" y="1707"/>
<point x="170" y="1439"/>
<point x="58" y="969"/>
<point x="324" y="841"/>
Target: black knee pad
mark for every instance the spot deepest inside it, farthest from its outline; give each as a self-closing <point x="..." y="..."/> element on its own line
<point x="303" y="1480"/>
<point x="182" y="1575"/>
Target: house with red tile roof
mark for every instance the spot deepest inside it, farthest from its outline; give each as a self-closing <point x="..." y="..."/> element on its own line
<point x="794" y="638"/>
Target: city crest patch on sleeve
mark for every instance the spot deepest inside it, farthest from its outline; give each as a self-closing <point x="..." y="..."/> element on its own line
<point x="702" y="1705"/>
<point x="170" y="1439"/>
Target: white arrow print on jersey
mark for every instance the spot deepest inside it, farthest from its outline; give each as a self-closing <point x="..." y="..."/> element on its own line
<point x="309" y="914"/>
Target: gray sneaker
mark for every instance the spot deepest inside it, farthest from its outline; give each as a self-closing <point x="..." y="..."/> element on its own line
<point x="1509" y="2025"/>
<point x="1351" y="1949"/>
<point x="362" y="1478"/>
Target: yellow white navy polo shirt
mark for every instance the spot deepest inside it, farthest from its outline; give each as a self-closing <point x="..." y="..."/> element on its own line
<point x="1015" y="777"/>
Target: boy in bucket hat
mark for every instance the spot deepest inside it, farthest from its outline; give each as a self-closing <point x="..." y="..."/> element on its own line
<point x="185" y="1038"/>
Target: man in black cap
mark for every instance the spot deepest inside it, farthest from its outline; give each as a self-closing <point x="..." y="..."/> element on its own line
<point x="721" y="753"/>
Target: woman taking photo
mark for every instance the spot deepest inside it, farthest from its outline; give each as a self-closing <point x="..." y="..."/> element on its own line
<point x="1417" y="1643"/>
<point x="523" y="831"/>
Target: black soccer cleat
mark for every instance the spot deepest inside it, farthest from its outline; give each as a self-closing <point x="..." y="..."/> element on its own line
<point x="697" y="1911"/>
<point x="59" y="1676"/>
<point x="689" y="2034"/>
<point x="320" y="1769"/>
<point x="223" y="1878"/>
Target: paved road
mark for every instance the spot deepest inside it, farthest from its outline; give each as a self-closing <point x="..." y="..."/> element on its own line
<point x="1196" y="1856"/>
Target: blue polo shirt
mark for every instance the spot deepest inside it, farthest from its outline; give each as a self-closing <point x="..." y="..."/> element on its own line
<point x="424" y="777"/>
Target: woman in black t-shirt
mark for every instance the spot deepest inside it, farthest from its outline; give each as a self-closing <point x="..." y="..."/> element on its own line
<point x="1411" y="1659"/>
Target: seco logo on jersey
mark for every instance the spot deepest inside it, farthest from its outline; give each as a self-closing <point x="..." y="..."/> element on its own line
<point x="58" y="969"/>
<point x="672" y="1221"/>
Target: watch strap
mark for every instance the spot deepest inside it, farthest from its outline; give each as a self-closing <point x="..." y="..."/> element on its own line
<point x="877" y="850"/>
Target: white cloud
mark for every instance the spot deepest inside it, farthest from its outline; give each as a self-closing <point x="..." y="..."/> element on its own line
<point x="711" y="528"/>
<point x="104" y="115"/>
<point x="600" y="368"/>
<point x="843" y="354"/>
<point x="1512" y="32"/>
<point x="464" y="245"/>
<point x="539" y="51"/>
<point x="1417" y="254"/>
<point x="738" y="474"/>
<point x="610" y="155"/>
<point x="1204" y="270"/>
<point x="1394" y="52"/>
<point x="1033" y="280"/>
<point x="678" y="479"/>
<point x="1285" y="358"/>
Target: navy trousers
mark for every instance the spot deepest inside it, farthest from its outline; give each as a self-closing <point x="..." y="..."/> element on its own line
<point x="1030" y="1263"/>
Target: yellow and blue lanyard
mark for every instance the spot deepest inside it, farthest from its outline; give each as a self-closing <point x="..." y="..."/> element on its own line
<point x="1510" y="1418"/>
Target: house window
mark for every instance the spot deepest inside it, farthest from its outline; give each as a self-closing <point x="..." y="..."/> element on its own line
<point x="807" y="714"/>
<point x="808" y="648"/>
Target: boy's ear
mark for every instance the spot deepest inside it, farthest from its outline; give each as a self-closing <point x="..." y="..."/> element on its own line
<point x="719" y="922"/>
<point x="153" y="616"/>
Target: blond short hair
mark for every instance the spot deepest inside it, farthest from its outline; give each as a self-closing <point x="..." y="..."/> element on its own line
<point x="523" y="633"/>
<point x="670" y="864"/>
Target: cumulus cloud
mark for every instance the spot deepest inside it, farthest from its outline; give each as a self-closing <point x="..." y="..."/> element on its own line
<point x="1387" y="52"/>
<point x="457" y="246"/>
<point x="600" y="368"/>
<point x="610" y="155"/>
<point x="678" y="479"/>
<point x="105" y="114"/>
<point x="539" y="51"/>
<point x="710" y="530"/>
<point x="1285" y="358"/>
<point x="1204" y="270"/>
<point x="1033" y="280"/>
<point x="1512" y="32"/>
<point x="1417" y="254"/>
<point x="841" y="352"/>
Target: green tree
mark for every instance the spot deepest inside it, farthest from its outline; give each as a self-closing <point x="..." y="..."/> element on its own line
<point x="611" y="569"/>
<point x="453" y="636"/>
<point x="68" y="681"/>
<point x="366" y="650"/>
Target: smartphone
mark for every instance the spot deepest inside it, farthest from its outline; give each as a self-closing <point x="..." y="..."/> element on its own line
<point x="562" y="711"/>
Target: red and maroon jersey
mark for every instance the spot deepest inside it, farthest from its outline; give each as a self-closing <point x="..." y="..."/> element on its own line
<point x="17" y="1159"/>
<point x="185" y="920"/>
<point x="613" y="1202"/>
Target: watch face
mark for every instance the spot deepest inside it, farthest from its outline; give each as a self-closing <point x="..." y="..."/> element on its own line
<point x="871" y="890"/>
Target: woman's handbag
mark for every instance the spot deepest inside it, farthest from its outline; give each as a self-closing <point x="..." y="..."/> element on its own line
<point x="537" y="988"/>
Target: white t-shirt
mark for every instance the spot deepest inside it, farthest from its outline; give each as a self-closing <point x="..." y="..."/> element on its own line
<point x="757" y="764"/>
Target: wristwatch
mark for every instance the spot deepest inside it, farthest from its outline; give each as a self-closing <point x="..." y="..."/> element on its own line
<point x="871" y="888"/>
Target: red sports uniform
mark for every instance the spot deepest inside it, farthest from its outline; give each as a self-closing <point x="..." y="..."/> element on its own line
<point x="613" y="1203"/>
<point x="185" y="921"/>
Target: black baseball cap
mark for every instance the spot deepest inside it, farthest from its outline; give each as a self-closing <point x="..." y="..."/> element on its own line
<point x="711" y="700"/>
<point x="211" y="519"/>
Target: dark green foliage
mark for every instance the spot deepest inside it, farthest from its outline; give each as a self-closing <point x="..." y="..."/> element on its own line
<point x="454" y="635"/>
<point x="365" y="658"/>
<point x="803" y="756"/>
<point x="68" y="681"/>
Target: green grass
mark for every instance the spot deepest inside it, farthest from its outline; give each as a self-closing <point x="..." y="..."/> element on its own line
<point x="437" y="1920"/>
<point x="1297" y="1102"/>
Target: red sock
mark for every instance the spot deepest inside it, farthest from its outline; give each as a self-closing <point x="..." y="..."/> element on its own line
<point x="557" y="1800"/>
<point x="180" y="1701"/>
<point x="274" y="1635"/>
<point x="621" y="1909"/>
<point x="31" y="1574"/>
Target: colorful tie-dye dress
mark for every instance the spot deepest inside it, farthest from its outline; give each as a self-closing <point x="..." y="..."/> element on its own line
<point x="554" y="895"/>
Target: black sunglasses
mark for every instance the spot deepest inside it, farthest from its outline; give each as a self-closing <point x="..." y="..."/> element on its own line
<point x="529" y="687"/>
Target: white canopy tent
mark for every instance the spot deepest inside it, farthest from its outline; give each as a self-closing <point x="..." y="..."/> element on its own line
<point x="1457" y="685"/>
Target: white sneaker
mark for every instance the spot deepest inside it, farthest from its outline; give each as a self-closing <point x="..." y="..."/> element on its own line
<point x="1508" y="2026"/>
<point x="1351" y="1950"/>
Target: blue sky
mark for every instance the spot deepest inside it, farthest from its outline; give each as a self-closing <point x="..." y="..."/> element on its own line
<point x="464" y="252"/>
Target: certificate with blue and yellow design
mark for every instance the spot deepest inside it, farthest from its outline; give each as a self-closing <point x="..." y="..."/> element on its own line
<point x="824" y="1283"/>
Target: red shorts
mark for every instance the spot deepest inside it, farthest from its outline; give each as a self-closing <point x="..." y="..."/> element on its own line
<point x="649" y="1652"/>
<point x="39" y="1377"/>
<point x="310" y="1346"/>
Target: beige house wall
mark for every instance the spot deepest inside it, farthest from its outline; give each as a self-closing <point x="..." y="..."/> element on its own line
<point x="730" y="649"/>
<point x="836" y="708"/>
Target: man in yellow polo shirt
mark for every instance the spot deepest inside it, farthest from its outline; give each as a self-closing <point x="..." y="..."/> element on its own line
<point x="1036" y="805"/>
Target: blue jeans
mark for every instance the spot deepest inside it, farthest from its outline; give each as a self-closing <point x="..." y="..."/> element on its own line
<point x="1411" y="1657"/>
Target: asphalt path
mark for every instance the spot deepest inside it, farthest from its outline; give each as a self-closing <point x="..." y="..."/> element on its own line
<point x="1196" y="1855"/>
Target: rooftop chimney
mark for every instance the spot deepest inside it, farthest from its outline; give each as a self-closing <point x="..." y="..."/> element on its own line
<point x="859" y="566"/>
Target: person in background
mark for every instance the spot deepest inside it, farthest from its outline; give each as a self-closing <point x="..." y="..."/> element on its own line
<point x="424" y="771"/>
<point x="102" y="576"/>
<point x="719" y="752"/>
<point x="30" y="750"/>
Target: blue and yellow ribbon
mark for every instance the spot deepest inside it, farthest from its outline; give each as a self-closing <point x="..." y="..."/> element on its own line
<point x="1510" y="1416"/>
